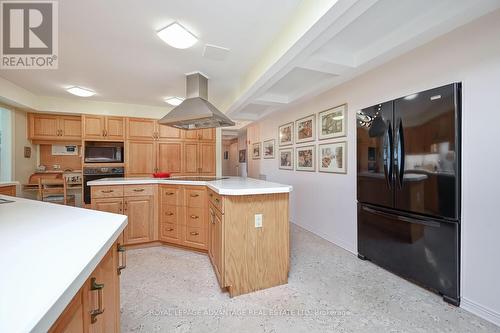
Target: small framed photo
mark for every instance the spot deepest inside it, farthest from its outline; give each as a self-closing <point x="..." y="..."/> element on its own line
<point x="305" y="158"/>
<point x="243" y="156"/>
<point x="256" y="150"/>
<point x="305" y="129"/>
<point x="285" y="134"/>
<point x="269" y="148"/>
<point x="333" y="122"/>
<point x="286" y="159"/>
<point x="332" y="157"/>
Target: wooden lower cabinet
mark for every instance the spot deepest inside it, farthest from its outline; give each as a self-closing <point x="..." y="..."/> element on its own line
<point x="8" y="190"/>
<point x="96" y="306"/>
<point x="216" y="242"/>
<point x="139" y="211"/>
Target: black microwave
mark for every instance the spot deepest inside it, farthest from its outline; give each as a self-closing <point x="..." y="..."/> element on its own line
<point x="103" y="153"/>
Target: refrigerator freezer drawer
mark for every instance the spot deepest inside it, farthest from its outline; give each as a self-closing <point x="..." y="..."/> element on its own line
<point x="424" y="251"/>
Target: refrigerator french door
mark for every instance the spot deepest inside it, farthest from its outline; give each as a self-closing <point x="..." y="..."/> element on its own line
<point x="408" y="187"/>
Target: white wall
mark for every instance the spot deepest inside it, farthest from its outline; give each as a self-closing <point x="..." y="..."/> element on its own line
<point x="326" y="203"/>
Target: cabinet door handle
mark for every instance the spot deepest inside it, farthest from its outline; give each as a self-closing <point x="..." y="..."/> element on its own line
<point x="126" y="205"/>
<point x="169" y="193"/>
<point x="194" y="195"/>
<point x="194" y="233"/>
<point x="121" y="207"/>
<point x="170" y="229"/>
<point x="170" y="214"/>
<point x="121" y="249"/>
<point x="100" y="310"/>
<point x="217" y="200"/>
<point x="138" y="190"/>
<point x="107" y="191"/>
<point x="194" y="217"/>
<point x="210" y="195"/>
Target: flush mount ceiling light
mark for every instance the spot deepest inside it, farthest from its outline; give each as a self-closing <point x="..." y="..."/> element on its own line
<point x="177" y="36"/>
<point x="174" y="100"/>
<point x="80" y="91"/>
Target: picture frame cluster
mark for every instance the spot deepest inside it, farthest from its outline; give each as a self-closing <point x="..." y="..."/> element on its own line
<point x="326" y="157"/>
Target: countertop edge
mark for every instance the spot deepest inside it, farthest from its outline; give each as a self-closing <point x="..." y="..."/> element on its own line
<point x="46" y="322"/>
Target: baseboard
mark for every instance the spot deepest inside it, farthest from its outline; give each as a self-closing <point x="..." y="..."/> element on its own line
<point x="335" y="240"/>
<point x="480" y="311"/>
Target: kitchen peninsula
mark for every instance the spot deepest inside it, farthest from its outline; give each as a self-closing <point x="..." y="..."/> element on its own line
<point x="242" y="223"/>
<point x="60" y="267"/>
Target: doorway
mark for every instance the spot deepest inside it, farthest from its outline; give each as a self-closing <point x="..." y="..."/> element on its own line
<point x="234" y="153"/>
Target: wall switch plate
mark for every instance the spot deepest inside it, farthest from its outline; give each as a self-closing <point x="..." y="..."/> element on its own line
<point x="258" y="220"/>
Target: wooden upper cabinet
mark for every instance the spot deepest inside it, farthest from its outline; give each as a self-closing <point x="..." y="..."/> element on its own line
<point x="207" y="158"/>
<point x="71" y="127"/>
<point x="115" y="128"/>
<point x="168" y="132"/>
<point x="141" y="129"/>
<point x="140" y="158"/>
<point x="54" y="127"/>
<point x="169" y="158"/>
<point x="103" y="127"/>
<point x="205" y="134"/>
<point x="191" y="158"/>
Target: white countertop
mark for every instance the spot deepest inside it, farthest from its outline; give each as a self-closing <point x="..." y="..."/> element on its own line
<point x="229" y="186"/>
<point x="47" y="252"/>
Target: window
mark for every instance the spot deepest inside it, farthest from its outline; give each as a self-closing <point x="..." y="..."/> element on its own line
<point x="5" y="145"/>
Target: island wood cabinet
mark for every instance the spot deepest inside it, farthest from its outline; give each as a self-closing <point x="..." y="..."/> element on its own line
<point x="135" y="201"/>
<point x="97" y="127"/>
<point x="183" y="215"/>
<point x="43" y="127"/>
<point x="96" y="306"/>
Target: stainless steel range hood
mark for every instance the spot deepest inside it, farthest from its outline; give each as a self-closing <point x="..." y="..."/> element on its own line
<point x="196" y="111"/>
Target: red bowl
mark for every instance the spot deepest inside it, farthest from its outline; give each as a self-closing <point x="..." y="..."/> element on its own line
<point x="161" y="174"/>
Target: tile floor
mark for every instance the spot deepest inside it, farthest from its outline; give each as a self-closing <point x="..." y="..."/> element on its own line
<point x="166" y="289"/>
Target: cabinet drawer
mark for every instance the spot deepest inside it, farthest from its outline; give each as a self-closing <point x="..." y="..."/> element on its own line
<point x="217" y="200"/>
<point x="171" y="196"/>
<point x="195" y="198"/>
<point x="133" y="190"/>
<point x="195" y="217"/>
<point x="169" y="232"/>
<point x="171" y="214"/>
<point x="195" y="237"/>
<point x="107" y="191"/>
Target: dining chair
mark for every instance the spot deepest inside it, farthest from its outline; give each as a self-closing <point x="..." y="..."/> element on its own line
<point x="55" y="191"/>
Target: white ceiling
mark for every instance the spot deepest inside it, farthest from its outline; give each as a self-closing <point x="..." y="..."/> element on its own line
<point x="110" y="46"/>
<point x="350" y="39"/>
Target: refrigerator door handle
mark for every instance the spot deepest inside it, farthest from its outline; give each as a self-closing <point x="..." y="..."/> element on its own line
<point x="400" y="154"/>
<point x="388" y="156"/>
<point x="401" y="218"/>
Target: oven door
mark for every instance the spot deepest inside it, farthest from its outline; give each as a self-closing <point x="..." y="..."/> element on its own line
<point x="88" y="178"/>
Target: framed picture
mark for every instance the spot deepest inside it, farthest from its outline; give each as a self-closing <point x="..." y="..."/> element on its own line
<point x="243" y="156"/>
<point x="305" y="129"/>
<point x="256" y="150"/>
<point x="332" y="122"/>
<point x="332" y="157"/>
<point x="269" y="148"/>
<point x="286" y="159"/>
<point x="305" y="158"/>
<point x="285" y="134"/>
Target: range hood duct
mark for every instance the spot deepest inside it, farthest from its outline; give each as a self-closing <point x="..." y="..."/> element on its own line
<point x="196" y="111"/>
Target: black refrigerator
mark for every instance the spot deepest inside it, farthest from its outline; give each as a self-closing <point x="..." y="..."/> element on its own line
<point x="408" y="188"/>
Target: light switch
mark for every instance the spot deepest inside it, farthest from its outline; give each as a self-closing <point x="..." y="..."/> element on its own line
<point x="258" y="220"/>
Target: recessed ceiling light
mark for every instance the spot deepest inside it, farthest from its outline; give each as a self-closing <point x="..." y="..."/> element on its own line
<point x="410" y="97"/>
<point x="177" y="36"/>
<point x="80" y="91"/>
<point x="174" y="100"/>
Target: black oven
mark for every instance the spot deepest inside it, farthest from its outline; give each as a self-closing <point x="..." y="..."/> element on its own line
<point x="90" y="174"/>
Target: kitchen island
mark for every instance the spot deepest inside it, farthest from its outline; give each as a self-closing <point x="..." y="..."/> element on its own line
<point x="242" y="223"/>
<point x="49" y="256"/>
